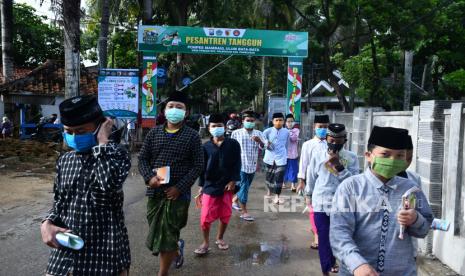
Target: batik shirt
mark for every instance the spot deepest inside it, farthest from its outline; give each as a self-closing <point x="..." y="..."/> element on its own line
<point x="364" y="228"/>
<point x="88" y="200"/>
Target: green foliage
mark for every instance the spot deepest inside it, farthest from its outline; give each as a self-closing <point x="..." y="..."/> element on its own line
<point x="34" y="40"/>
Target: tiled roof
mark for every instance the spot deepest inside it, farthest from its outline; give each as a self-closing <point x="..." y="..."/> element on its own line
<point x="19" y="73"/>
<point x="49" y="79"/>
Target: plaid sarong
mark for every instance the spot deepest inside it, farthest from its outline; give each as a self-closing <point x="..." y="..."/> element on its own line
<point x="166" y="218"/>
<point x="274" y="178"/>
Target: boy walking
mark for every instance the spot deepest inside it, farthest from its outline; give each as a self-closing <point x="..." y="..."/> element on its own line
<point x="365" y="227"/>
<point x="178" y="147"/>
<point x="218" y="182"/>
<point x="276" y="156"/>
<point x="250" y="141"/>
<point x="327" y="169"/>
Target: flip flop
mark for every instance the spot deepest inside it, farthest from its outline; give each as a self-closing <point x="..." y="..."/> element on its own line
<point x="236" y="207"/>
<point x="222" y="245"/>
<point x="180" y="258"/>
<point x="202" y="251"/>
<point x="335" y="269"/>
<point x="247" y="218"/>
<point x="314" y="246"/>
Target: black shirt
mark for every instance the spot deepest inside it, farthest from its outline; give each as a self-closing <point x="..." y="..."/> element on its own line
<point x="222" y="165"/>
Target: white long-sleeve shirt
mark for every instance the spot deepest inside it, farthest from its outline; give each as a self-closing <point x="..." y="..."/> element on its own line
<point x="306" y="154"/>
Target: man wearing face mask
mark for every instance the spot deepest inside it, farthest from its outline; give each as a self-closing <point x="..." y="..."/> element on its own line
<point x="217" y="183"/>
<point x="178" y="147"/>
<point x="327" y="169"/>
<point x="89" y="195"/>
<point x="365" y="226"/>
<point x="276" y="156"/>
<point x="251" y="141"/>
<point x="318" y="142"/>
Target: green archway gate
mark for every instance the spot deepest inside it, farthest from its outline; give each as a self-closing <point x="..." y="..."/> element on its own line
<point x="220" y="41"/>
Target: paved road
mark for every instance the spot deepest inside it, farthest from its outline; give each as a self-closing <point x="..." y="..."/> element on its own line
<point x="275" y="244"/>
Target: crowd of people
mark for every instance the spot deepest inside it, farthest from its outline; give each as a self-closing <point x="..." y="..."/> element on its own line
<point x="357" y="218"/>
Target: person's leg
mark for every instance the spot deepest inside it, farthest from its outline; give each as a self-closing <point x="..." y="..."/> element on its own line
<point x="279" y="178"/>
<point x="166" y="259"/>
<point x="311" y="215"/>
<point x="225" y="216"/>
<point x="269" y="176"/>
<point x="206" y="218"/>
<point x="324" y="247"/>
<point x="243" y="194"/>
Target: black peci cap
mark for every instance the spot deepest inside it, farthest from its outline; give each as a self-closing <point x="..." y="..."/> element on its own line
<point x="80" y="110"/>
<point x="389" y="137"/>
<point x="321" y="119"/>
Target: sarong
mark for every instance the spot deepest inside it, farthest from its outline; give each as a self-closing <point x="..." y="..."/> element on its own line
<point x="166" y="218"/>
<point x="275" y="178"/>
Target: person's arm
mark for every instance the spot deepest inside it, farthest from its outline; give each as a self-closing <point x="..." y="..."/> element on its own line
<point x="145" y="158"/>
<point x="54" y="212"/>
<point x="352" y="169"/>
<point x="264" y="141"/>
<point x="303" y="163"/>
<point x="236" y="175"/>
<point x="422" y="225"/>
<point x="185" y="183"/>
<point x="294" y="135"/>
<point x="202" y="174"/>
<point x="342" y="228"/>
<point x="312" y="175"/>
<point x="111" y="170"/>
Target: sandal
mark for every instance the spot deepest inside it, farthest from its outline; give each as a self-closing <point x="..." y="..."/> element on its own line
<point x="314" y="246"/>
<point x="222" y="245"/>
<point x="335" y="269"/>
<point x="236" y="206"/>
<point x="247" y="217"/>
<point x="202" y="251"/>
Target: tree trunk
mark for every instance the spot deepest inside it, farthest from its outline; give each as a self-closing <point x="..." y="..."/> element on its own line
<point x="71" y="19"/>
<point x="7" y="40"/>
<point x="147" y="13"/>
<point x="103" y="39"/>
<point x="181" y="12"/>
<point x="332" y="79"/>
<point x="376" y="75"/>
<point x="407" y="79"/>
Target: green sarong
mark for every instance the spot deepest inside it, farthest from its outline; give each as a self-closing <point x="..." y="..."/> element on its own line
<point x="166" y="218"/>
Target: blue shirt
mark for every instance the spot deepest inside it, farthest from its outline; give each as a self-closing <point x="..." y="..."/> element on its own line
<point x="276" y="152"/>
<point x="356" y="234"/>
<point x="322" y="181"/>
<point x="222" y="165"/>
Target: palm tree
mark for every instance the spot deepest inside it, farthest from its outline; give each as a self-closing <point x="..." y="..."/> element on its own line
<point x="7" y="39"/>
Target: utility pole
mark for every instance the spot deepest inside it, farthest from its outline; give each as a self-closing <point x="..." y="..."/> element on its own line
<point x="408" y="60"/>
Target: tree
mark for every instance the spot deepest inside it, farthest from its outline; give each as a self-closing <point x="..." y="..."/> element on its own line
<point x="34" y="41"/>
<point x="71" y="13"/>
<point x="7" y="39"/>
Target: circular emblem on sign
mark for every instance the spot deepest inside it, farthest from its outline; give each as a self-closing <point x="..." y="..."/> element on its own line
<point x="219" y="32"/>
<point x="236" y="33"/>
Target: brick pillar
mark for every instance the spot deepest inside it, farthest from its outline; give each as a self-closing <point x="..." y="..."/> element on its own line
<point x="359" y="133"/>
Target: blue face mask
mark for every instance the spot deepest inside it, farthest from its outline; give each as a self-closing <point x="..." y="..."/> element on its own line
<point x="80" y="142"/>
<point x="175" y="115"/>
<point x="249" y="125"/>
<point x="217" y="131"/>
<point x="321" y="132"/>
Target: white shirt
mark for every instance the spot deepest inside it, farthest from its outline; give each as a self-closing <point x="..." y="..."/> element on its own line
<point x="249" y="148"/>
<point x="306" y="154"/>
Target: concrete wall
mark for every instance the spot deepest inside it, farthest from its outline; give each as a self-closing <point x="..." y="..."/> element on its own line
<point x="2" y="109"/>
<point x="449" y="247"/>
<point x="439" y="151"/>
<point x="48" y="110"/>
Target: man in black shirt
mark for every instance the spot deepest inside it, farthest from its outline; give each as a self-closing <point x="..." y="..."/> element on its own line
<point x="218" y="182"/>
<point x="178" y="147"/>
<point x="88" y="195"/>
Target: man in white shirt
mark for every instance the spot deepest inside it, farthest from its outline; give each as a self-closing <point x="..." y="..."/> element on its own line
<point x="318" y="142"/>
